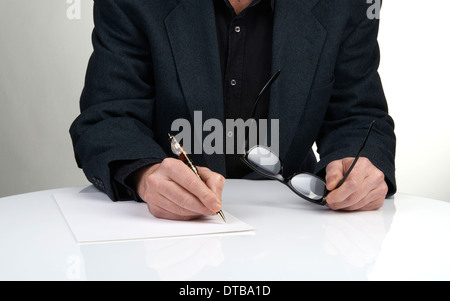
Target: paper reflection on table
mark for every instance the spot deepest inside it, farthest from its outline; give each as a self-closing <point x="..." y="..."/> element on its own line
<point x="183" y="258"/>
<point x="180" y="258"/>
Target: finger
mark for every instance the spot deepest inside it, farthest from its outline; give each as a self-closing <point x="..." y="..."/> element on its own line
<point x="352" y="201"/>
<point x="349" y="194"/>
<point x="161" y="212"/>
<point x="346" y="194"/>
<point x="178" y="172"/>
<point x="374" y="205"/>
<point x="377" y="187"/>
<point x="213" y="180"/>
<point x="182" y="199"/>
<point x="372" y="201"/>
<point x="372" y="189"/>
<point x="334" y="173"/>
<point x="354" y="187"/>
<point x="375" y="199"/>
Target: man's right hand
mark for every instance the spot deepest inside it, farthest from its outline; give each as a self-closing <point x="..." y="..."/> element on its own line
<point x="172" y="191"/>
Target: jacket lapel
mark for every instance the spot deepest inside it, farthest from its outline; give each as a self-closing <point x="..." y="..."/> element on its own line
<point x="298" y="39"/>
<point x="191" y="29"/>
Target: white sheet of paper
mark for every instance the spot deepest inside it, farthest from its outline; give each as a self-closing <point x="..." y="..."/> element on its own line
<point x="93" y="217"/>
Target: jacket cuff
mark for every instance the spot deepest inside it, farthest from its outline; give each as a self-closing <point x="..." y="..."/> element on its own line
<point x="122" y="178"/>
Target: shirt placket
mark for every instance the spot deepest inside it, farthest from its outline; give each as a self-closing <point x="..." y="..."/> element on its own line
<point x="235" y="65"/>
<point x="235" y="71"/>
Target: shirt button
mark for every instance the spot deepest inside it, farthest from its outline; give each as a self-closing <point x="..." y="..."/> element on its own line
<point x="237" y="29"/>
<point x="233" y="82"/>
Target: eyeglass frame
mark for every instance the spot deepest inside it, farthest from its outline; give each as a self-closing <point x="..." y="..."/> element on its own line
<point x="279" y="177"/>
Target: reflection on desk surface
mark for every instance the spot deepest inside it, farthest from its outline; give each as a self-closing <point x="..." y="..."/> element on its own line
<point x="407" y="239"/>
<point x="331" y="247"/>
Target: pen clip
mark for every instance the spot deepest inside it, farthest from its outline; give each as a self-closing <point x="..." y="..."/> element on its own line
<point x="178" y="150"/>
<point x="175" y="145"/>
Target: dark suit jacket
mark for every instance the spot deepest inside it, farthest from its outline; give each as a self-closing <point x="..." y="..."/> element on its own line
<point x="158" y="60"/>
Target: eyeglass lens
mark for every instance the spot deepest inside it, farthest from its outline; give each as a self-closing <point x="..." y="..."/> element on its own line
<point x="269" y="163"/>
<point x="263" y="159"/>
<point x="309" y="186"/>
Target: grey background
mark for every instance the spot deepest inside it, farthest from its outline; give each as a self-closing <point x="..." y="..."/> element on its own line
<point x="43" y="58"/>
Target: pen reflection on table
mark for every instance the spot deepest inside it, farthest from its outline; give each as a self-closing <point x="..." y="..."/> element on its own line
<point x="182" y="155"/>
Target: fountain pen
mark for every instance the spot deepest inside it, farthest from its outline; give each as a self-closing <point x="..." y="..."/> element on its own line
<point x="182" y="155"/>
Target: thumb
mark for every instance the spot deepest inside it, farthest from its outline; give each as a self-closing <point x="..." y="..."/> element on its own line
<point x="334" y="173"/>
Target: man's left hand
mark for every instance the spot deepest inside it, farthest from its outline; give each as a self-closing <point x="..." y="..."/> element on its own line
<point x="364" y="188"/>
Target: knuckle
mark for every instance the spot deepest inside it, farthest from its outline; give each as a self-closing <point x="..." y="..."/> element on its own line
<point x="364" y="161"/>
<point x="154" y="182"/>
<point x="168" y="163"/>
<point x="352" y="184"/>
<point x="220" y="179"/>
<point x="353" y="199"/>
<point x="379" y="175"/>
<point x="331" y="167"/>
<point x="384" y="190"/>
<point x="207" y="197"/>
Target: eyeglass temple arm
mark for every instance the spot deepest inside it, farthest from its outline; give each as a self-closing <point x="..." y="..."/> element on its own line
<point x="268" y="84"/>
<point x="255" y="104"/>
<point x="357" y="156"/>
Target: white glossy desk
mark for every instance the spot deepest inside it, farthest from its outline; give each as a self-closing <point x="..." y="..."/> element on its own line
<point x="408" y="239"/>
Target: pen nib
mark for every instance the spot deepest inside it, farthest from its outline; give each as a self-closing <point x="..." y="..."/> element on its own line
<point x="222" y="216"/>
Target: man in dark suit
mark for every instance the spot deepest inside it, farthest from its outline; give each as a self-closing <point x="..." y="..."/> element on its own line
<point x="156" y="61"/>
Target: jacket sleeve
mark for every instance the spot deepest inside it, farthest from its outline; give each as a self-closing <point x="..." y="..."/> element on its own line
<point x="117" y="102"/>
<point x="357" y="99"/>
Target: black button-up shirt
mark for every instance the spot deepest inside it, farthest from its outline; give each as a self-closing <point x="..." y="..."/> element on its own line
<point x="245" y="46"/>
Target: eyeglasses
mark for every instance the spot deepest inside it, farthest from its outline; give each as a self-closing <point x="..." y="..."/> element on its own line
<point x="308" y="186"/>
